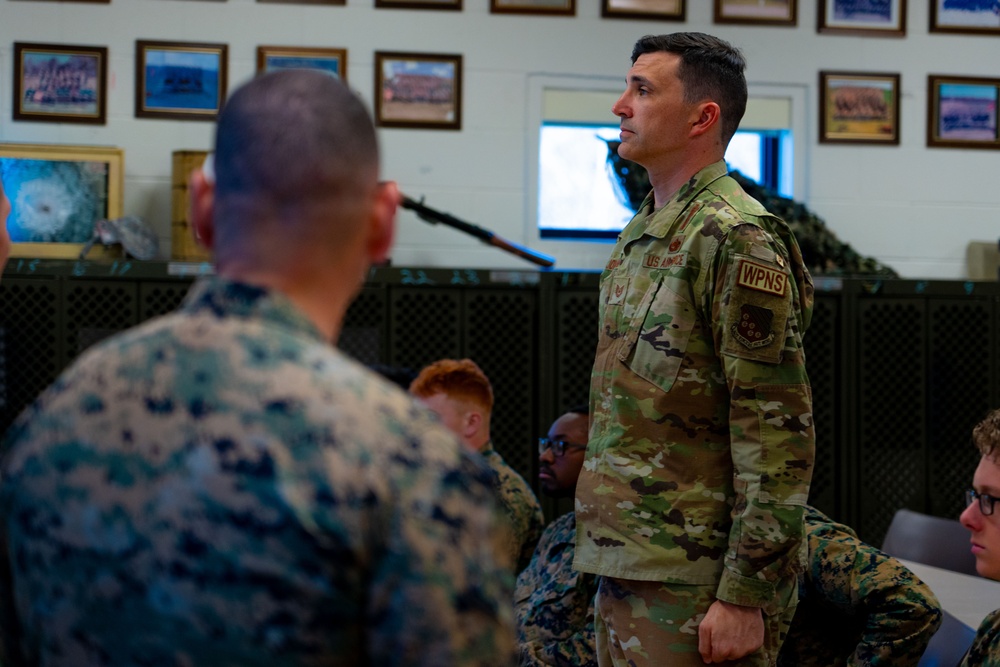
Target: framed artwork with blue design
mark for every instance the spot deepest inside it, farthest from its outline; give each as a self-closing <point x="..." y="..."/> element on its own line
<point x="966" y="16"/>
<point x="874" y="18"/>
<point x="329" y="60"/>
<point x="57" y="193"/>
<point x="962" y="112"/>
<point x="181" y="80"/>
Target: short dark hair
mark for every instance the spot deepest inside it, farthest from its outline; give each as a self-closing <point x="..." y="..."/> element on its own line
<point x="294" y="135"/>
<point x="579" y="409"/>
<point x="986" y="435"/>
<point x="710" y="68"/>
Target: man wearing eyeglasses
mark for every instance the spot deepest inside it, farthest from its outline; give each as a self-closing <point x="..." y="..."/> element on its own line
<point x="554" y="603"/>
<point x="982" y="520"/>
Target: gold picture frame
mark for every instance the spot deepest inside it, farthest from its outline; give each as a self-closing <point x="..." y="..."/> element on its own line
<point x="58" y="192"/>
<point x="859" y="108"/>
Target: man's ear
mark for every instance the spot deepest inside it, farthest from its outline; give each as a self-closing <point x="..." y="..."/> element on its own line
<point x="382" y="226"/>
<point x="709" y="116"/>
<point x="201" y="191"/>
<point x="472" y="423"/>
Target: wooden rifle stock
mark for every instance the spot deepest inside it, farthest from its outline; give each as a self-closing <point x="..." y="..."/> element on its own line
<point x="433" y="216"/>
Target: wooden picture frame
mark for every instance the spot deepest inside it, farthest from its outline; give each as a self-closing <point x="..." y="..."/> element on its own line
<point x="447" y="5"/>
<point x="646" y="10"/>
<point x="972" y="17"/>
<point x="58" y="192"/>
<point x="855" y="17"/>
<point x="180" y="80"/>
<point x="60" y="83"/>
<point x="332" y="61"/>
<point x="962" y="112"/>
<point x="418" y="90"/>
<point x="549" y="7"/>
<point x="757" y="12"/>
<point x="859" y="108"/>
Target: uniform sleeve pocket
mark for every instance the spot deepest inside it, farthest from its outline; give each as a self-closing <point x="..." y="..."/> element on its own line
<point x="655" y="344"/>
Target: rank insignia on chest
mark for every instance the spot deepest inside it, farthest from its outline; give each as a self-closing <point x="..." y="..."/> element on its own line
<point x="617" y="290"/>
<point x="753" y="329"/>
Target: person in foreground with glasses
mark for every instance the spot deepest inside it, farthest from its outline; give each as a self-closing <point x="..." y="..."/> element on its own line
<point x="983" y="521"/>
<point x="553" y="603"/>
<point x="461" y="395"/>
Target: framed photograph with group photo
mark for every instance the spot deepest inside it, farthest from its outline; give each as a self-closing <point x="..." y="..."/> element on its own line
<point x="60" y="83"/>
<point x="649" y="10"/>
<point x="885" y="18"/>
<point x="60" y="191"/>
<point x="756" y="12"/>
<point x="182" y="80"/>
<point x="331" y="61"/>
<point x="965" y="16"/>
<point x="859" y="108"/>
<point x="418" y="90"/>
<point x="962" y="112"/>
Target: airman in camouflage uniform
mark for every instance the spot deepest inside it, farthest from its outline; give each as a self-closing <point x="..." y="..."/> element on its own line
<point x="459" y="392"/>
<point x="690" y="504"/>
<point x="883" y="613"/>
<point x="222" y="486"/>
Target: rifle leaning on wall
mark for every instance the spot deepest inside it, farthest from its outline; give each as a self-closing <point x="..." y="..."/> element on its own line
<point x="433" y="216"/>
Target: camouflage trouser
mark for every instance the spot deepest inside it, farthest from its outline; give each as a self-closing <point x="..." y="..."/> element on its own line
<point x="653" y="624"/>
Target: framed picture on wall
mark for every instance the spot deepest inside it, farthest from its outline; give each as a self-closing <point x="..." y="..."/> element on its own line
<point x="552" y="7"/>
<point x="60" y="83"/>
<point x="455" y="5"/>
<point x="652" y="10"/>
<point x="331" y="61"/>
<point x="418" y="90"/>
<point x="58" y="193"/>
<point x="886" y="18"/>
<point x="965" y="16"/>
<point x="962" y="112"/>
<point x="182" y="80"/>
<point x="758" y="12"/>
<point x="859" y="108"/>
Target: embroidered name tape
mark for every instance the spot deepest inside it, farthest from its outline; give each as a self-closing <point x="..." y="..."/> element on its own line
<point x="762" y="278"/>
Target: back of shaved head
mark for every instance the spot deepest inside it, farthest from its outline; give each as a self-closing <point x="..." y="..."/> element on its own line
<point x="288" y="140"/>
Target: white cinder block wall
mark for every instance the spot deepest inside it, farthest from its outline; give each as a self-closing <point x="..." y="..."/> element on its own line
<point x="912" y="207"/>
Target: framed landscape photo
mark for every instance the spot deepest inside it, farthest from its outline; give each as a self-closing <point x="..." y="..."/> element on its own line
<point x="859" y="108"/>
<point x="551" y="7"/>
<point x="965" y="16"/>
<point x="184" y="80"/>
<point x="331" y="61"/>
<point x="962" y="112"/>
<point x="454" y="5"/>
<point x="652" y="10"/>
<point x="57" y="192"/>
<point x="60" y="83"/>
<point x="875" y="18"/>
<point x="418" y="90"/>
<point x="758" y="12"/>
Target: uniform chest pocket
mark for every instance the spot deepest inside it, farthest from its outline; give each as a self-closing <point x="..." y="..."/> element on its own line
<point x="658" y="336"/>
